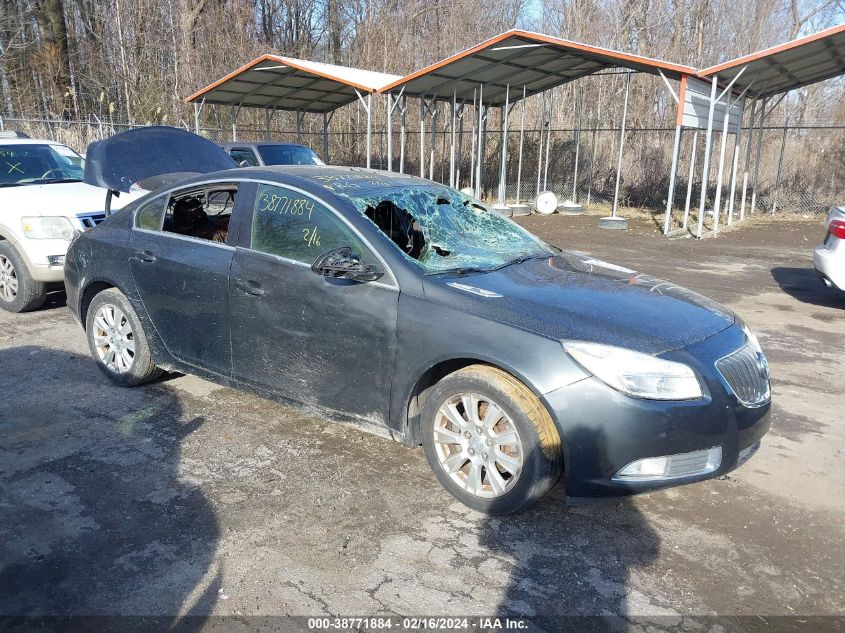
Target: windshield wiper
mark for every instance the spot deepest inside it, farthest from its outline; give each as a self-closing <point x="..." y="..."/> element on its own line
<point x="522" y="259"/>
<point x="53" y="181"/>
<point x="11" y="184"/>
<point x="464" y="270"/>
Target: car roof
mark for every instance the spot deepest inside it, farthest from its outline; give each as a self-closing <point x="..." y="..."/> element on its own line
<point x="319" y="177"/>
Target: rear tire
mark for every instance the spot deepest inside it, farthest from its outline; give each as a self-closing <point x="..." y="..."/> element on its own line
<point x="490" y="441"/>
<point x="117" y="340"/>
<point x="19" y="292"/>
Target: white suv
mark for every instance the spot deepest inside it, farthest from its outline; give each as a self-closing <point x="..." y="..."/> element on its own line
<point x="42" y="202"/>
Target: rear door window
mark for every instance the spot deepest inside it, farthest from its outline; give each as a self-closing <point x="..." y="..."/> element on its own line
<point x="150" y="215"/>
<point x="295" y="226"/>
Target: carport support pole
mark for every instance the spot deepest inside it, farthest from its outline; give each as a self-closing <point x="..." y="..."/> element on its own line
<point x="592" y="159"/>
<point x="577" y="145"/>
<point x="521" y="143"/>
<point x="235" y="111"/>
<point x="748" y="145"/>
<point x="690" y="178"/>
<point x="540" y="148"/>
<point x="673" y="172"/>
<point x="267" y="122"/>
<point x="433" y="128"/>
<point x="480" y="141"/>
<point x="197" y="112"/>
<point x="472" y="144"/>
<point x="705" y="170"/>
<point x="369" y="127"/>
<point x="460" y="147"/>
<point x="717" y="204"/>
<point x="757" y="157"/>
<point x="548" y="146"/>
<point x="452" y="139"/>
<point x="780" y="164"/>
<point x="326" y="137"/>
<point x="503" y="163"/>
<point x="621" y="147"/>
<point x="422" y="137"/>
<point x="734" y="167"/>
<point x="404" y="111"/>
<point x="389" y="104"/>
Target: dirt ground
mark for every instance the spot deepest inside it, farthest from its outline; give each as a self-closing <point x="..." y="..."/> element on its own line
<point x="184" y="498"/>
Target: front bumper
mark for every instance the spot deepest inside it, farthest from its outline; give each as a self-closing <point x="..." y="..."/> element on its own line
<point x="603" y="430"/>
<point x="39" y="256"/>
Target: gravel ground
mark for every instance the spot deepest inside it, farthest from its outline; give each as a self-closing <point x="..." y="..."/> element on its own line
<point x="183" y="498"/>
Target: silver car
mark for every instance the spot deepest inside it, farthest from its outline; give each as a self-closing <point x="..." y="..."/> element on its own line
<point x="829" y="258"/>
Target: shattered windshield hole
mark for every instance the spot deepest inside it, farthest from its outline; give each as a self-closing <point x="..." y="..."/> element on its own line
<point x="442" y="230"/>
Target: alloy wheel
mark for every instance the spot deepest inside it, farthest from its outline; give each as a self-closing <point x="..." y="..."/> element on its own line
<point x="8" y="280"/>
<point x="478" y="445"/>
<point x="113" y="338"/>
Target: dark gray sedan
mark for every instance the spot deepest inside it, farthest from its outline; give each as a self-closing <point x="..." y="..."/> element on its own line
<point x="400" y="305"/>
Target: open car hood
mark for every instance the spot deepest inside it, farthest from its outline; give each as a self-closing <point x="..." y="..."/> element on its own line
<point x="122" y="160"/>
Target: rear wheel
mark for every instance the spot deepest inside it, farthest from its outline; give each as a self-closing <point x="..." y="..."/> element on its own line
<point x="490" y="441"/>
<point x="117" y="340"/>
<point x="19" y="292"/>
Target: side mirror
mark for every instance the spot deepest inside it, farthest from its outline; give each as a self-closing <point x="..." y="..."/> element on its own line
<point x="343" y="263"/>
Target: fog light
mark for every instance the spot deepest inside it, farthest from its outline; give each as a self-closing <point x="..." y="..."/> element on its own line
<point x="672" y="466"/>
<point x="56" y="260"/>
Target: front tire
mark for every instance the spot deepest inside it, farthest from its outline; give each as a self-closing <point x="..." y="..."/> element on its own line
<point x="19" y="292"/>
<point x="490" y="441"/>
<point x="117" y="340"/>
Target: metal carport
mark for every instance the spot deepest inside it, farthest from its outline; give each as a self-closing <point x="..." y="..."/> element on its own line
<point x="760" y="76"/>
<point x="272" y="82"/>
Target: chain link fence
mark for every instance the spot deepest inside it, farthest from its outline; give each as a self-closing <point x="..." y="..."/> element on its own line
<point x="800" y="167"/>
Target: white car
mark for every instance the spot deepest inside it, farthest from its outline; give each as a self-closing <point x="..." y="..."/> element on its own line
<point x="42" y="202"/>
<point x="829" y="258"/>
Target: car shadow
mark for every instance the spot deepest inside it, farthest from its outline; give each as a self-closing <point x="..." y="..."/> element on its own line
<point x="95" y="519"/>
<point x="804" y="284"/>
<point x="574" y="561"/>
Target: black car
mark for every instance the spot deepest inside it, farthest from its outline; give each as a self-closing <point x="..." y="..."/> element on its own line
<point x="269" y="153"/>
<point x="401" y="305"/>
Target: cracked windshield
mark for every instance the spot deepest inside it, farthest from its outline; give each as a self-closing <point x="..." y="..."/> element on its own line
<point x="446" y="231"/>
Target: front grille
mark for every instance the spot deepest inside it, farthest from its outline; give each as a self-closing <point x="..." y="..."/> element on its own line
<point x="90" y="220"/>
<point x="747" y="374"/>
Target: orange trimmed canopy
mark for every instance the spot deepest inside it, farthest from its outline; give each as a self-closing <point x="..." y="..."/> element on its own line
<point x="801" y="62"/>
<point x="522" y="58"/>
<point x="285" y="83"/>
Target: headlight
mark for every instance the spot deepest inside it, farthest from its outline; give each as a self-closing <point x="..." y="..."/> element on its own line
<point x="636" y="374"/>
<point x="49" y="228"/>
<point x="752" y="339"/>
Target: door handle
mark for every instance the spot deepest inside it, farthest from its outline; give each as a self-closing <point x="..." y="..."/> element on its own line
<point x="250" y="287"/>
<point x="146" y="256"/>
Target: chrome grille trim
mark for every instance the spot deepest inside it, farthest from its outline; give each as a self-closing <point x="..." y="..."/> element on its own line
<point x="746" y="372"/>
<point x="90" y="220"/>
